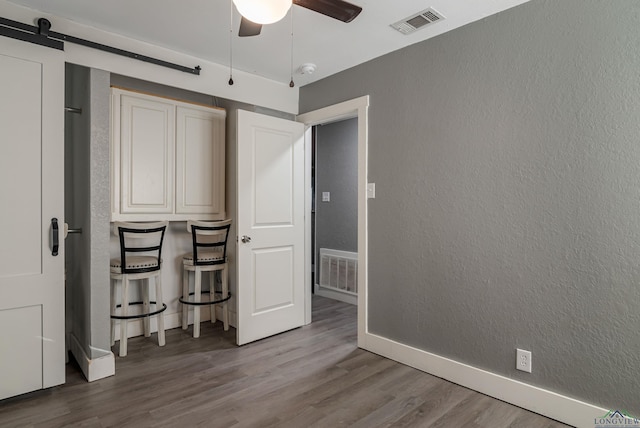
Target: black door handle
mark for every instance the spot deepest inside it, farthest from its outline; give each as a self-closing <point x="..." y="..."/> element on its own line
<point x="55" y="238"/>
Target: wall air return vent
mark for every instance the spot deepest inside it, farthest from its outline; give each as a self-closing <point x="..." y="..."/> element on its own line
<point x="418" y="21"/>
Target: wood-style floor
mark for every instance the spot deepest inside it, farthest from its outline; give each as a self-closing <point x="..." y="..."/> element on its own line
<point x="313" y="376"/>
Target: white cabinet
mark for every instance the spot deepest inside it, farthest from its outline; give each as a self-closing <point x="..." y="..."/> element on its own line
<point x="167" y="159"/>
<point x="199" y="160"/>
<point x="147" y="145"/>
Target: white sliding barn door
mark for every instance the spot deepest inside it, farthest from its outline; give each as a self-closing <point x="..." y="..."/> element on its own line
<point x="31" y="195"/>
<point x="271" y="232"/>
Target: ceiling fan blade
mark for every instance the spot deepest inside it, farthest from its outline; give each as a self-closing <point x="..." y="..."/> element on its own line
<point x="337" y="9"/>
<point x="249" y="28"/>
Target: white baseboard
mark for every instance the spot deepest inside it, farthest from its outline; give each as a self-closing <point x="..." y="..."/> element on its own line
<point x="336" y="295"/>
<point x="96" y="368"/>
<point x="538" y="400"/>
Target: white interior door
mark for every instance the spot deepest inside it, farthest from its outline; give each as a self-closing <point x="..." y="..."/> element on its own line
<point x="271" y="246"/>
<point x="32" y="348"/>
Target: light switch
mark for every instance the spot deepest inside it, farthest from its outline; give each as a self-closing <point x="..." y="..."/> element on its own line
<point x="326" y="196"/>
<point x="371" y="190"/>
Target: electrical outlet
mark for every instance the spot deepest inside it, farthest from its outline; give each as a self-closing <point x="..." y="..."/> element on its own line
<point x="523" y="360"/>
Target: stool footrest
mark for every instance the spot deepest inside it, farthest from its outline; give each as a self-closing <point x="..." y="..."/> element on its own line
<point x="148" y="314"/>
<point x="206" y="302"/>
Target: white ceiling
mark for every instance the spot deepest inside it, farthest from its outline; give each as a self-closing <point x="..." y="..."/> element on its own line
<point x="202" y="28"/>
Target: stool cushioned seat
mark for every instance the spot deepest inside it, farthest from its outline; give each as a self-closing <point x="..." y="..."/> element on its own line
<point x="210" y="256"/>
<point x="134" y="262"/>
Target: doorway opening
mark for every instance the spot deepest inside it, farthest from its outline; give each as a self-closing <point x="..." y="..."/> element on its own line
<point x="334" y="211"/>
<point x="356" y="108"/>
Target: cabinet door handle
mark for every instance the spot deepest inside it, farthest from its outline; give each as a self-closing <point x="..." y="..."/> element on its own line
<point x="55" y="238"/>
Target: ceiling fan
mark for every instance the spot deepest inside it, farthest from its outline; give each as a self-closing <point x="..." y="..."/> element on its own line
<point x="251" y="24"/>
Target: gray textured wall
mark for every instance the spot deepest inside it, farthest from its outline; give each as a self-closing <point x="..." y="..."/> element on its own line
<point x="99" y="211"/>
<point x="337" y="172"/>
<point x="87" y="200"/>
<point x="506" y="158"/>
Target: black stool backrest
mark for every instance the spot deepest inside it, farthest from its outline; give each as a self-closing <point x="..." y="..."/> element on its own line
<point x="209" y="235"/>
<point x="147" y="236"/>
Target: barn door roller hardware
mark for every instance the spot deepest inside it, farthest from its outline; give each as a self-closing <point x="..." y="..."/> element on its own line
<point x="42" y="35"/>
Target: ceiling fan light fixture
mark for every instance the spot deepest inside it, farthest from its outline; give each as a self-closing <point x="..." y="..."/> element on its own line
<point x="263" y="11"/>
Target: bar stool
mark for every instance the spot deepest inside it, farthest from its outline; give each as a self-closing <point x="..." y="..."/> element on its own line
<point x="209" y="254"/>
<point x="140" y="259"/>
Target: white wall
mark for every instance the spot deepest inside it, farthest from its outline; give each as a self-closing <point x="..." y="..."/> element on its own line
<point x="212" y="80"/>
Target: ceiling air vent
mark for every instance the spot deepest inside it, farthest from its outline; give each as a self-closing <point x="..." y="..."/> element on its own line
<point x="418" y="21"/>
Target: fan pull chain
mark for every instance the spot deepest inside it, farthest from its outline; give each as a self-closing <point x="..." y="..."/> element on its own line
<point x="231" y="42"/>
<point x="291" y="84"/>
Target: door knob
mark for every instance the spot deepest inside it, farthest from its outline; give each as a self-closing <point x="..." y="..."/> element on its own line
<point x="245" y="239"/>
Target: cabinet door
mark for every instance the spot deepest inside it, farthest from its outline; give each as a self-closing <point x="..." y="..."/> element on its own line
<point x="146" y="155"/>
<point x="200" y="161"/>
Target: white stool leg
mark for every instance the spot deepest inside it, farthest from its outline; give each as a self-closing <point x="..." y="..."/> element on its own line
<point x="159" y="305"/>
<point x="145" y="306"/>
<point x="125" y="312"/>
<point x="225" y="293"/>
<point x="185" y="296"/>
<point x="196" y="298"/>
<point x="212" y="294"/>
<point x="114" y="284"/>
